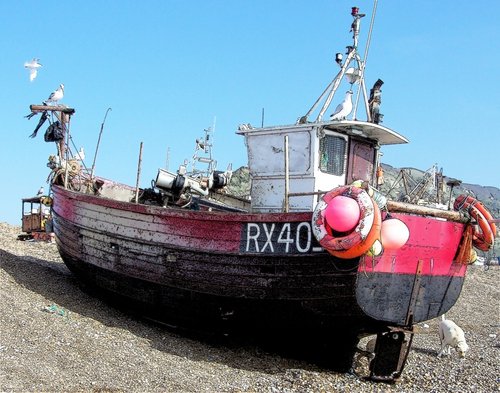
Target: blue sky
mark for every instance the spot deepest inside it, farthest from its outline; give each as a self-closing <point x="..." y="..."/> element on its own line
<point x="169" y="68"/>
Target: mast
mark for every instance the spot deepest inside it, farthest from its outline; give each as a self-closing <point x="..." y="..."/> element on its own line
<point x="353" y="74"/>
<point x="362" y="68"/>
<point x="204" y="145"/>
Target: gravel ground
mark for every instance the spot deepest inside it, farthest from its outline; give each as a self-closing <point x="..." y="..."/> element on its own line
<point x="56" y="338"/>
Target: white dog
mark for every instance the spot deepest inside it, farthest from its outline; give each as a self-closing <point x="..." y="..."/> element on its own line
<point x="451" y="336"/>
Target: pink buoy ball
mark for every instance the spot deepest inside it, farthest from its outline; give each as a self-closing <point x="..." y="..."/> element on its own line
<point x="342" y="214"/>
<point x="394" y="234"/>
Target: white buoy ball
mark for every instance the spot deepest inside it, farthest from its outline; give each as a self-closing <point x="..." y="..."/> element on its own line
<point x="376" y="249"/>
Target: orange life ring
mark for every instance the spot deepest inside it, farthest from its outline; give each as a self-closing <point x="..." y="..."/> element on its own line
<point x="466" y="201"/>
<point x="484" y="239"/>
<point x="358" y="241"/>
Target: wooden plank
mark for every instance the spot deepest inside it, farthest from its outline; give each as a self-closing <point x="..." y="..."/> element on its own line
<point x="402" y="207"/>
<point x="52" y="108"/>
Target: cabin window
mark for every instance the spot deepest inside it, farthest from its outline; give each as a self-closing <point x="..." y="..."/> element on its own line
<point x="332" y="152"/>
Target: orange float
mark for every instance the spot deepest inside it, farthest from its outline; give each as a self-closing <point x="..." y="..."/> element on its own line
<point x="353" y="243"/>
<point x="485" y="238"/>
<point x="466" y="201"/>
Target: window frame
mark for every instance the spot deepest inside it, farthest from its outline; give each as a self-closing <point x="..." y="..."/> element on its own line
<point x="338" y="168"/>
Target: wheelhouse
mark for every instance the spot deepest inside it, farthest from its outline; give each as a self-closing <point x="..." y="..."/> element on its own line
<point x="299" y="162"/>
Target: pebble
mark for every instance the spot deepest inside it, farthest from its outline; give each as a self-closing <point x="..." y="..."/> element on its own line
<point x="84" y="345"/>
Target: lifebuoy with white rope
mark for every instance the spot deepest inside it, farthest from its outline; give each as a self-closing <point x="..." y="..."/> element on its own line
<point x="484" y="238"/>
<point x="352" y="244"/>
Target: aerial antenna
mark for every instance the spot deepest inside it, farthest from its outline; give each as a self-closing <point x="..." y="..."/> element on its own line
<point x="213" y="124"/>
<point x="98" y="142"/>
<point x="262" y="118"/>
<point x="204" y="144"/>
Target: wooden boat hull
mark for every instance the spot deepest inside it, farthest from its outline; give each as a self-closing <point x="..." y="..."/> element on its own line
<point x="221" y="256"/>
<point x="234" y="273"/>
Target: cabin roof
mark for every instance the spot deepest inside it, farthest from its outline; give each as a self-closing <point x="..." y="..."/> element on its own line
<point x="383" y="135"/>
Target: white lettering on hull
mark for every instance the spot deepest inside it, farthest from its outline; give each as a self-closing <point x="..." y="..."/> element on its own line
<point x="279" y="238"/>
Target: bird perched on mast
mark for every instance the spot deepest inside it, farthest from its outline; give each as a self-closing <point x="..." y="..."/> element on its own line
<point x="344" y="108"/>
<point x="56" y="95"/>
<point x="33" y="67"/>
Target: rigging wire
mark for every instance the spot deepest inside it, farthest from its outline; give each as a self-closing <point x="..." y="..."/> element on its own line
<point x="372" y="22"/>
<point x="365" y="57"/>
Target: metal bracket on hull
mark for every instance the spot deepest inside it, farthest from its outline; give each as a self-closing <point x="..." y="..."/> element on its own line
<point x="414" y="294"/>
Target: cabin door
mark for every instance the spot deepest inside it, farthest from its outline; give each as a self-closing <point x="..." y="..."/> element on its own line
<point x="361" y="161"/>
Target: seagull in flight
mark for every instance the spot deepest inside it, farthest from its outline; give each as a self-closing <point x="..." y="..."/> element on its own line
<point x="33" y="67"/>
<point x="344" y="108"/>
<point x="40" y="191"/>
<point x="56" y="95"/>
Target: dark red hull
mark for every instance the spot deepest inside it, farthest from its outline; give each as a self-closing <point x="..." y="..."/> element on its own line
<point x="259" y="273"/>
<point x="251" y="258"/>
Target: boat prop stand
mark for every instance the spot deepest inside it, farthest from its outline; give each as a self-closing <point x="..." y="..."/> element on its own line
<point x="392" y="348"/>
<point x="391" y="352"/>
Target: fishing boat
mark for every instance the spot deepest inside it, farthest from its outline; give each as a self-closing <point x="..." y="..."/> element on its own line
<point x="316" y="257"/>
